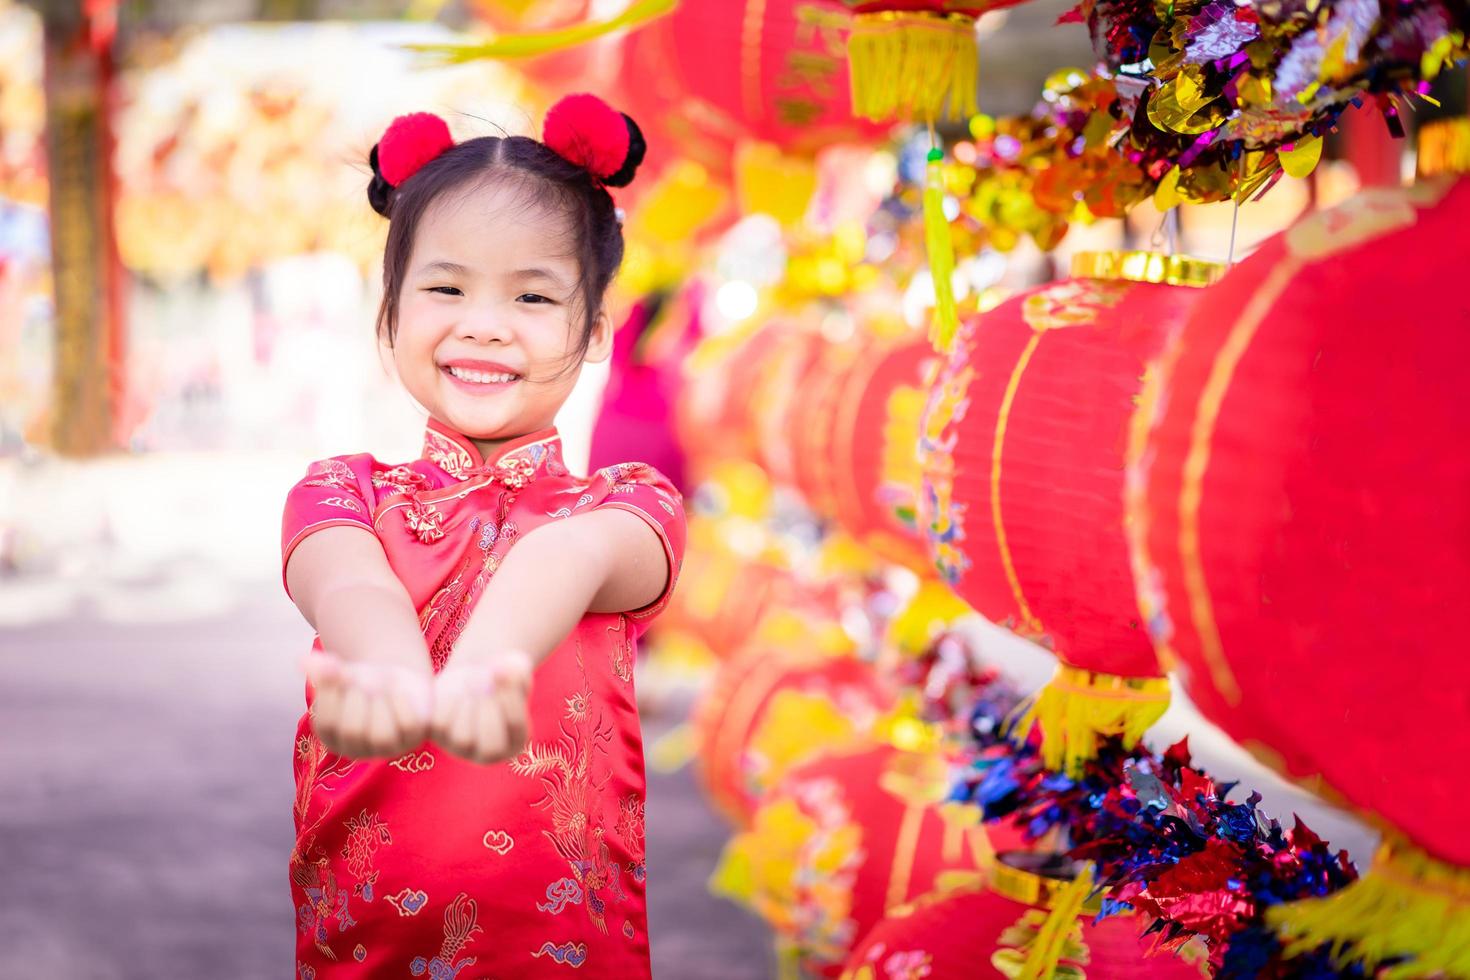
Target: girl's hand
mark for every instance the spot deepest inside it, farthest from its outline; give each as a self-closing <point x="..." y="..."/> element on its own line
<point x="481" y="707"/>
<point x="362" y="709"/>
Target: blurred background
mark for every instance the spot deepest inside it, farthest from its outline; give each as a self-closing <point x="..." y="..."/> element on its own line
<point x="188" y="277"/>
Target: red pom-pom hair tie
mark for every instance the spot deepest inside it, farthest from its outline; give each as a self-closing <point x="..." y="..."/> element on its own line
<point x="596" y="137"/>
<point x="409" y="142"/>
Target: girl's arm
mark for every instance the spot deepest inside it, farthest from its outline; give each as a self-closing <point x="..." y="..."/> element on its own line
<point x="604" y="561"/>
<point x="372" y="689"/>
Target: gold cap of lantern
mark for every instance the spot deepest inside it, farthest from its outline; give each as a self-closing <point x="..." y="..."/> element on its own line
<point x="1444" y="148"/>
<point x="1155" y="267"/>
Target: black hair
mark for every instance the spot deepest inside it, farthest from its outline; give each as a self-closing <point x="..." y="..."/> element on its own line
<point x="549" y="179"/>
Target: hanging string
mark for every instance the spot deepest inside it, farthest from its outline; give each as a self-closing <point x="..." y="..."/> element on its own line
<point x="940" y="247"/>
<point x="1156" y="240"/>
<point x="1235" y="214"/>
<point x="1166" y="234"/>
<point x="1234" y="221"/>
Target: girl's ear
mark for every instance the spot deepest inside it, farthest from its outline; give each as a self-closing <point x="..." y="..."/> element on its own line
<point x="600" y="346"/>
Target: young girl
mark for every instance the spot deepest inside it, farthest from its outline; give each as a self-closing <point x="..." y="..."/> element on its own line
<point x="469" y="772"/>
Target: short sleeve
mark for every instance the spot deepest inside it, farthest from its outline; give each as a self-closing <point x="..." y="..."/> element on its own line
<point x="335" y="492"/>
<point x="640" y="489"/>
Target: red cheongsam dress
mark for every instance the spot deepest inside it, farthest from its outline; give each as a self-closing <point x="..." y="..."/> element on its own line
<point x="430" y="866"/>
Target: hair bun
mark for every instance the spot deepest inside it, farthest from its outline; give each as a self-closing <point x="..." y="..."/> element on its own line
<point x="637" y="149"/>
<point x="380" y="192"/>
<point x="588" y="132"/>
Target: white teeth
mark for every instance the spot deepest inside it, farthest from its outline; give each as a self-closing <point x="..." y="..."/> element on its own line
<point x="480" y="377"/>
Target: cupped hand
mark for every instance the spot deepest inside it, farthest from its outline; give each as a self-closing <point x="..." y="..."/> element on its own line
<point x="364" y="709"/>
<point x="480" y="707"/>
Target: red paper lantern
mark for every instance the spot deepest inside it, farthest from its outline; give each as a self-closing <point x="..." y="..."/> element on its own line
<point x="714" y="410"/>
<point x="838" y="422"/>
<point x="815" y="406"/>
<point x="969" y="935"/>
<point x="870" y="468"/>
<point x="776" y="705"/>
<point x="779" y="382"/>
<point x="845" y="840"/>
<point x="1023" y="452"/>
<point x="710" y="75"/>
<point x="1301" y="522"/>
<point x="701" y="606"/>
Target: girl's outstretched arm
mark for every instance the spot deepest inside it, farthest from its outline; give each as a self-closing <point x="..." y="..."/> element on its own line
<point x="372" y="685"/>
<point x="607" y="560"/>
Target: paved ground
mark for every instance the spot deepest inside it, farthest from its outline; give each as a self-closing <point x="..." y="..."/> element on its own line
<point x="145" y="810"/>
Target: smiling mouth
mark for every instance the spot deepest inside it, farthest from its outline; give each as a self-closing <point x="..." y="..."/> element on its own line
<point x="472" y="377"/>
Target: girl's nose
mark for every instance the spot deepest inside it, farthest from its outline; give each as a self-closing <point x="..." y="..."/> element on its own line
<point x="484" y="327"/>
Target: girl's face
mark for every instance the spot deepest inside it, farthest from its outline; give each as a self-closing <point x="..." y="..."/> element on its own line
<point x="489" y="314"/>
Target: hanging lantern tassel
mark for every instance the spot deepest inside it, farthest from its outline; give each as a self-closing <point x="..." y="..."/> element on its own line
<point x="941" y="255"/>
<point x="1079" y="707"/>
<point x="912" y="64"/>
<point x="1408" y="905"/>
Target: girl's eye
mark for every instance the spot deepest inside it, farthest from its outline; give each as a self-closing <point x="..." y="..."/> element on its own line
<point x="445" y="290"/>
<point x="532" y="298"/>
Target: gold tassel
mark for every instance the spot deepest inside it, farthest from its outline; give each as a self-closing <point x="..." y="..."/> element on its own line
<point x="1078" y="707"/>
<point x="1055" y="934"/>
<point x="911" y="65"/>
<point x="941" y="255"/>
<point x="545" y="42"/>
<point x="1408" y="905"/>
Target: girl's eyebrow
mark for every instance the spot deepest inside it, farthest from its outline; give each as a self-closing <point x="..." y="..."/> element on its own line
<point x="536" y="273"/>
<point x="451" y="268"/>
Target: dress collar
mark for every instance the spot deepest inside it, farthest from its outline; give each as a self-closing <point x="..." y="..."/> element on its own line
<point x="530" y="456"/>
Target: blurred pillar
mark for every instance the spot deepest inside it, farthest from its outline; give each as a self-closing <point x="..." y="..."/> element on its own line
<point x="87" y="276"/>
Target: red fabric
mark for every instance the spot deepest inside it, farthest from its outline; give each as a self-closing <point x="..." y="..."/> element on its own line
<point x="954" y="937"/>
<point x="590" y="133"/>
<point x="1073" y="354"/>
<point x="1334" y="520"/>
<point x="738" y="701"/>
<point x="427" y="864"/>
<point x="410" y="142"/>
